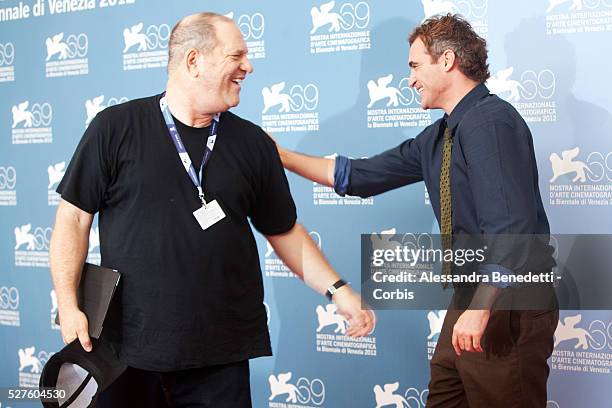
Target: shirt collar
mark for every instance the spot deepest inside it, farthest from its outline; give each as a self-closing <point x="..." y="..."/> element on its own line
<point x="465" y="104"/>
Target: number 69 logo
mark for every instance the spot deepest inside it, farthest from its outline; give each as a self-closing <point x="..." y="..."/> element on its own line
<point x="157" y="36"/>
<point x="252" y="26"/>
<point x="8" y="178"/>
<point x="355" y="15"/>
<point x="42" y="238"/>
<point x="9" y="298"/>
<point x="304" y="97"/>
<point x="601" y="335"/>
<point x="42" y="113"/>
<point x="310" y="391"/>
<point x="77" y="45"/>
<point x="599" y="166"/>
<point x="417" y="241"/>
<point x="542" y="84"/>
<point x="7" y="54"/>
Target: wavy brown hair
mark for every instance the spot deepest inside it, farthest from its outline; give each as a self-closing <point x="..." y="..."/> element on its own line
<point x="453" y="32"/>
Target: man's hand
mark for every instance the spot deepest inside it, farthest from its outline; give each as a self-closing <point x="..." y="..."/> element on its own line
<point x="73" y="324"/>
<point x="468" y="331"/>
<point x="317" y="169"/>
<point x="361" y="322"/>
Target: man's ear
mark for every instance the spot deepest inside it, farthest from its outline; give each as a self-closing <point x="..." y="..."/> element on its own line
<point x="448" y="59"/>
<point x="192" y="62"/>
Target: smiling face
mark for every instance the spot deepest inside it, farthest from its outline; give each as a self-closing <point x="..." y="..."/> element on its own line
<point x="221" y="71"/>
<point x="427" y="76"/>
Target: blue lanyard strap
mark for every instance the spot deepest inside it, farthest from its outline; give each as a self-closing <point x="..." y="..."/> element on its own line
<point x="197" y="179"/>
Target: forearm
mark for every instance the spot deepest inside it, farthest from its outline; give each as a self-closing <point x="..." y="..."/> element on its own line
<point x="67" y="253"/>
<point x="484" y="297"/>
<point x="299" y="252"/>
<point x="318" y="169"/>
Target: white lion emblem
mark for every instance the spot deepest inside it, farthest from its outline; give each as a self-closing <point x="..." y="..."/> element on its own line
<point x="280" y="386"/>
<point x="328" y="317"/>
<point x="566" y="330"/>
<point x="21" y="114"/>
<point x="56" y="173"/>
<point x="565" y="165"/>
<point x="27" y="358"/>
<point x="272" y="96"/>
<point x="133" y="36"/>
<point x="323" y="16"/>
<point x="380" y="90"/>
<point x="385" y="396"/>
<point x="56" y="46"/>
<point x="93" y="107"/>
<point x="23" y="236"/>
<point x="499" y="84"/>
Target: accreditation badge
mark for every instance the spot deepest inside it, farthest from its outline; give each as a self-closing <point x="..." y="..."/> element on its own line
<point x="209" y="214"/>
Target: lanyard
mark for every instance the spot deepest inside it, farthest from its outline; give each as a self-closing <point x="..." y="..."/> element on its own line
<point x="197" y="179"/>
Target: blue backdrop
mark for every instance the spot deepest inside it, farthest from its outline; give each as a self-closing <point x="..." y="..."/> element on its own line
<point x="330" y="78"/>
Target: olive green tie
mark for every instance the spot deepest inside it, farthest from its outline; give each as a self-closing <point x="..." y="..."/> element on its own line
<point x="446" y="210"/>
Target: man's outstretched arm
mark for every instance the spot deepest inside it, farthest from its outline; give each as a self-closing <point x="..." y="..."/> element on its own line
<point x="299" y="252"/>
<point x="364" y="177"/>
<point x="318" y="169"/>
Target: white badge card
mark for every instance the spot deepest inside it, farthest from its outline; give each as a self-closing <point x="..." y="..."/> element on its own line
<point x="209" y="215"/>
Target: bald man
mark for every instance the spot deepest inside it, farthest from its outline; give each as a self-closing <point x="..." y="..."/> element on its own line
<point x="175" y="179"/>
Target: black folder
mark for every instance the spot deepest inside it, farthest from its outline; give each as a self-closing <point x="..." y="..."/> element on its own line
<point x="95" y="292"/>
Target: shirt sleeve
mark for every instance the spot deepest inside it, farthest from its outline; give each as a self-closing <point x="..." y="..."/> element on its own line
<point x="394" y="168"/>
<point x="274" y="211"/>
<point x="86" y="180"/>
<point x="500" y="168"/>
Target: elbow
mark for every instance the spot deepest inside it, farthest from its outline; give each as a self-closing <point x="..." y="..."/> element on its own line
<point x="70" y="215"/>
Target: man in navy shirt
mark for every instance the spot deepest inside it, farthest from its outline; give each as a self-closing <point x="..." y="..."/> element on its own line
<point x="479" y="166"/>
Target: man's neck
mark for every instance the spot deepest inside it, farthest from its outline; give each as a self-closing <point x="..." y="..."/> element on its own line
<point x="457" y="93"/>
<point x="184" y="107"/>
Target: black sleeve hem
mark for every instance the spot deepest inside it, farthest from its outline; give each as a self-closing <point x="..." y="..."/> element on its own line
<point x="277" y="230"/>
<point x="77" y="203"/>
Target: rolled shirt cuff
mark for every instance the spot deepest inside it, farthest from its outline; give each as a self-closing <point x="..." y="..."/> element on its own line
<point x="342" y="173"/>
<point x="488" y="269"/>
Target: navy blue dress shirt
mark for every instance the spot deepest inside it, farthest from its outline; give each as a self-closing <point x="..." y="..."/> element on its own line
<point x="494" y="176"/>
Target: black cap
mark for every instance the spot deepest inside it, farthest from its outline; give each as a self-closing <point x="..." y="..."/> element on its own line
<point x="81" y="374"/>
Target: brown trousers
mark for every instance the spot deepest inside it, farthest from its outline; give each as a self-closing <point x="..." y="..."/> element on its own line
<point x="510" y="373"/>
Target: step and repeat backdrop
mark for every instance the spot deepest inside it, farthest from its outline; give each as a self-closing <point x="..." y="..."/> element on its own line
<point x="330" y="78"/>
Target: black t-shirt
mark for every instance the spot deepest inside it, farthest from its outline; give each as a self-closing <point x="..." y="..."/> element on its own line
<point x="188" y="297"/>
<point x="194" y="140"/>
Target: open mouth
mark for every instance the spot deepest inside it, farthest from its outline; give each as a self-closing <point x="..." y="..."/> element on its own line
<point x="237" y="81"/>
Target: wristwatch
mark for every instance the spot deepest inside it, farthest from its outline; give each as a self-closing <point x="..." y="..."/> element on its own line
<point x="334" y="288"/>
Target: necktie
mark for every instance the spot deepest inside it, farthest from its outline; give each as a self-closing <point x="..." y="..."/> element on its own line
<point x="446" y="210"/>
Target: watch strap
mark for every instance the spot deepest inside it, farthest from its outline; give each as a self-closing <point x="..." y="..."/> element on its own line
<point x="334" y="288"/>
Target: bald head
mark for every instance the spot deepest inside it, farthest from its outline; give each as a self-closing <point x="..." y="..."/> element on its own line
<point x="195" y="31"/>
